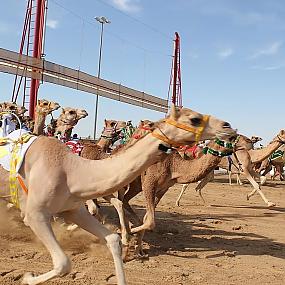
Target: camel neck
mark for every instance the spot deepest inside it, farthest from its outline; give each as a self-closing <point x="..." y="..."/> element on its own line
<point x="104" y="143"/>
<point x="114" y="172"/>
<point x="193" y="170"/>
<point x="39" y="123"/>
<point x="258" y="155"/>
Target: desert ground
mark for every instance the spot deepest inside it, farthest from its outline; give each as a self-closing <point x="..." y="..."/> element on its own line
<point x="227" y="241"/>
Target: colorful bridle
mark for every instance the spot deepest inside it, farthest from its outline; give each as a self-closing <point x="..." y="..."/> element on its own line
<point x="198" y="131"/>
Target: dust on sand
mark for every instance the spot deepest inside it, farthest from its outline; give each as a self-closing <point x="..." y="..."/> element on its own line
<point x="228" y="241"/>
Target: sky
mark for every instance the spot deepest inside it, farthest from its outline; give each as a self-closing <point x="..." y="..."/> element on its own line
<point x="232" y="56"/>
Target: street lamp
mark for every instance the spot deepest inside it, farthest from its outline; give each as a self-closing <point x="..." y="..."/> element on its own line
<point x="102" y="21"/>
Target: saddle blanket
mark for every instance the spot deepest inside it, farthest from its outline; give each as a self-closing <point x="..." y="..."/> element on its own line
<point x="6" y="149"/>
<point x="75" y="146"/>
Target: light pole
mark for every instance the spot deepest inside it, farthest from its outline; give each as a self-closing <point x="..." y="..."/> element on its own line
<point x="102" y="21"/>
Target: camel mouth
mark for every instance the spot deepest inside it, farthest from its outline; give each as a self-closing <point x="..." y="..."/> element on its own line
<point x="226" y="134"/>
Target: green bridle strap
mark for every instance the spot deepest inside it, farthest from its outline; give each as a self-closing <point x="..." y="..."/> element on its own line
<point x="216" y="152"/>
<point x="224" y="144"/>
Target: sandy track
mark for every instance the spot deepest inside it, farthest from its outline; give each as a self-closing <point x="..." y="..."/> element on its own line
<point x="230" y="241"/>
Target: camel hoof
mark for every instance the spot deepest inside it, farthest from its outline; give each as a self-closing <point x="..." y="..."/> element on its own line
<point x="247" y="197"/>
<point x="177" y="204"/>
<point x="28" y="278"/>
<point x="271" y="204"/>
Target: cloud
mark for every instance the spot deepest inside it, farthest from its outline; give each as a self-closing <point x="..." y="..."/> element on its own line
<point x="242" y="18"/>
<point x="53" y="24"/>
<point x="271" y="49"/>
<point x="131" y="6"/>
<point x="225" y="53"/>
<point x="268" y="68"/>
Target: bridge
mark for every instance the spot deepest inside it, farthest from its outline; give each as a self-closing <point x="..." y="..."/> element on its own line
<point x="46" y="71"/>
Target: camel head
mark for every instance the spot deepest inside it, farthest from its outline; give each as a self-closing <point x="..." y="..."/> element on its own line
<point x="12" y="107"/>
<point x="46" y="107"/>
<point x="280" y="137"/>
<point x="111" y="132"/>
<point x="185" y="126"/>
<point x="71" y="116"/>
<point x="255" y="139"/>
<point x="146" y="124"/>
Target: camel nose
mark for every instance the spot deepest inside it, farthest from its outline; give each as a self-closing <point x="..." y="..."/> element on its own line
<point x="226" y="125"/>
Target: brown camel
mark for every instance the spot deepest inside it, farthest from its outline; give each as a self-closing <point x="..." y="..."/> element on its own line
<point x="159" y="177"/>
<point x="245" y="157"/>
<point x="97" y="150"/>
<point x="43" y="108"/>
<point x="68" y="118"/>
<point x="59" y="182"/>
<point x="12" y="107"/>
<point x="277" y="163"/>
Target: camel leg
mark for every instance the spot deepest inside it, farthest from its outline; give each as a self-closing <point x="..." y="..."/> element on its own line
<point x="256" y="189"/>
<point x="230" y="177"/>
<point x="40" y="224"/>
<point x="134" y="188"/>
<point x="249" y="173"/>
<point x="238" y="179"/>
<point x="203" y="183"/>
<point x="184" y="187"/>
<point x="93" y="209"/>
<point x="119" y="207"/>
<point x="149" y="218"/>
<point x="83" y="219"/>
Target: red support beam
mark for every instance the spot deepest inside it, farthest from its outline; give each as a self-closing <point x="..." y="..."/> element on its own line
<point x="175" y="78"/>
<point x="37" y="52"/>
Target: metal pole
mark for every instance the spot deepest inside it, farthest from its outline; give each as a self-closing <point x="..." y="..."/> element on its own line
<point x="99" y="72"/>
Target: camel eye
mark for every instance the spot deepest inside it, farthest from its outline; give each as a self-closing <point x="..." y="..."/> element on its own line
<point x="196" y="122"/>
<point x="72" y="112"/>
<point x="45" y="103"/>
<point x="113" y="124"/>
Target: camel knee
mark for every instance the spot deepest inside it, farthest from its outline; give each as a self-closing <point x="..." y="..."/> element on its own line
<point x="149" y="223"/>
<point x="62" y="266"/>
<point x="118" y="204"/>
<point x="114" y="243"/>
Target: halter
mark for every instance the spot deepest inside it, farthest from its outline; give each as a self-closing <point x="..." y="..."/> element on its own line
<point x="112" y="130"/>
<point x="217" y="152"/>
<point x="280" y="139"/>
<point x="197" y="131"/>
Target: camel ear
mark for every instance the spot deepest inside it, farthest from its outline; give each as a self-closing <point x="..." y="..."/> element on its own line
<point x="62" y="110"/>
<point x="105" y="121"/>
<point x="173" y="112"/>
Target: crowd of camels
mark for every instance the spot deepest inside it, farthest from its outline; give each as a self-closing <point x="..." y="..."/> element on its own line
<point x="65" y="176"/>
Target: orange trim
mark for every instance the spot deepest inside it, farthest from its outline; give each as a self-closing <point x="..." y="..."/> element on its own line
<point x="198" y="131"/>
<point x="21" y="182"/>
<point x="167" y="140"/>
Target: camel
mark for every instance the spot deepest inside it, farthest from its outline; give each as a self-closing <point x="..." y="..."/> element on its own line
<point x="246" y="157"/>
<point x="59" y="182"/>
<point x="68" y="118"/>
<point x="97" y="150"/>
<point x="276" y="161"/>
<point x="12" y="107"/>
<point x="43" y="108"/>
<point x="159" y="177"/>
